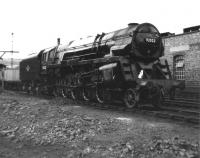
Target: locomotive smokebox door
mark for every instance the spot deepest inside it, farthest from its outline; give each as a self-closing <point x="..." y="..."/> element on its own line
<point x="107" y="71"/>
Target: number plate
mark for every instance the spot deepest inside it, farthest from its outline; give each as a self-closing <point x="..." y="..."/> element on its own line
<point x="150" y="40"/>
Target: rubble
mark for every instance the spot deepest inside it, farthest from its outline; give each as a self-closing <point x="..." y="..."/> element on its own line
<point x="175" y="146"/>
<point x="37" y="123"/>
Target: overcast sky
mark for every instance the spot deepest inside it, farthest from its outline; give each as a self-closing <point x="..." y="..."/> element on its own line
<point x="37" y="24"/>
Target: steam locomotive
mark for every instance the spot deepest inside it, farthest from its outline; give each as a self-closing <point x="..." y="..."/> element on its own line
<point x="123" y="65"/>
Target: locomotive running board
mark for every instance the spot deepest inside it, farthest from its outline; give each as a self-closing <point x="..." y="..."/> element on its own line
<point x="75" y="62"/>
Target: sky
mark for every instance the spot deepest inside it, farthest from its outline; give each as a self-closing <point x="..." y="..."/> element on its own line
<point x="36" y="24"/>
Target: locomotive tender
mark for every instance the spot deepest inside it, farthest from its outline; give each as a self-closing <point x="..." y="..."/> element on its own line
<point x="122" y="65"/>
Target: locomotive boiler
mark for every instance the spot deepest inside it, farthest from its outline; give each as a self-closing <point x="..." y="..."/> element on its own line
<point x="123" y="65"/>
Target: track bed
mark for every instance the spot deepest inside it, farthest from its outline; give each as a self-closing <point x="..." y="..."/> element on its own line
<point x="45" y="127"/>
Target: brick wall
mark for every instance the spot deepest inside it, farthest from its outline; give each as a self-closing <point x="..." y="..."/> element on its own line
<point x="188" y="45"/>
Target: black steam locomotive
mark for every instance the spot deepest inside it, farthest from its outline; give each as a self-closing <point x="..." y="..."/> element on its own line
<point x="122" y="65"/>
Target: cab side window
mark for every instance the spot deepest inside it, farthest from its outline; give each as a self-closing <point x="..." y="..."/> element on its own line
<point x="44" y="57"/>
<point x="51" y="55"/>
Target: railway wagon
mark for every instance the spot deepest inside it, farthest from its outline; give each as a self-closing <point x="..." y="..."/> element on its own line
<point x="11" y="78"/>
<point x="11" y="74"/>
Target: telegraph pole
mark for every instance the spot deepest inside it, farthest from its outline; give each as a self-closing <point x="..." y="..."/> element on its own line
<point x="1" y="58"/>
<point x="9" y="51"/>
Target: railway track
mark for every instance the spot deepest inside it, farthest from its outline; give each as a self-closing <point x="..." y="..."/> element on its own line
<point x="184" y="110"/>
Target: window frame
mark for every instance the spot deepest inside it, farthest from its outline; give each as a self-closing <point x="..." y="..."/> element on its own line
<point x="179" y="67"/>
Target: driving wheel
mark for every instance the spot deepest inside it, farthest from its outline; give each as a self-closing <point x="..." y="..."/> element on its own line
<point x="85" y="94"/>
<point x="130" y="98"/>
<point x="99" y="94"/>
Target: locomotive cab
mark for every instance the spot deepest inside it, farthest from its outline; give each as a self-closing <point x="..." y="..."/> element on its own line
<point x="47" y="57"/>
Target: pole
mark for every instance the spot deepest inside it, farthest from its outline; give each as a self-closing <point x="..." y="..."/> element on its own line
<point x="2" y="79"/>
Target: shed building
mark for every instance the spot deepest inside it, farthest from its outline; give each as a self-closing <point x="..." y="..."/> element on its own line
<point x="183" y="54"/>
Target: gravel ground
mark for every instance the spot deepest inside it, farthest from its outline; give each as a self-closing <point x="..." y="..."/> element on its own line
<point x="56" y="128"/>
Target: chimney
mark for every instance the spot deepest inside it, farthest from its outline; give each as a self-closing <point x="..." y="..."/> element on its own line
<point x="166" y="34"/>
<point x="191" y="29"/>
<point x="58" y="41"/>
<point x="132" y="24"/>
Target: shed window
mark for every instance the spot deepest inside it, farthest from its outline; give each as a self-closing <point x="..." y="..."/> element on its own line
<point x="179" y="67"/>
